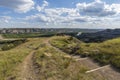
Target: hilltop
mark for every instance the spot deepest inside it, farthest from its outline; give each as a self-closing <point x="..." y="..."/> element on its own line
<point x="61" y="58"/>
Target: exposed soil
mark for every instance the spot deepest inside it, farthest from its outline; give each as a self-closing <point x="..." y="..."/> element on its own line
<point x="105" y="72"/>
<point x="1" y="38"/>
<point x="28" y="71"/>
<point x="27" y="68"/>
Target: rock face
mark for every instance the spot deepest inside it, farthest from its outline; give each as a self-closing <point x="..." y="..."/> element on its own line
<point x="100" y="36"/>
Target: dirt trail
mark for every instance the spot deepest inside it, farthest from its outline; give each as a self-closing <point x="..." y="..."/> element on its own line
<point x="106" y="72"/>
<point x="83" y="61"/>
<point x="1" y="38"/>
<point x="27" y="68"/>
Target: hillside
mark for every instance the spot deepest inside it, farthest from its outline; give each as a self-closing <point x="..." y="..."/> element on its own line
<point x="37" y="60"/>
<point x="107" y="52"/>
<point x="60" y="58"/>
<point x="100" y="35"/>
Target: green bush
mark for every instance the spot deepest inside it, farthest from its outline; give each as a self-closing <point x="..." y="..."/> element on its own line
<point x="28" y="35"/>
<point x="9" y="44"/>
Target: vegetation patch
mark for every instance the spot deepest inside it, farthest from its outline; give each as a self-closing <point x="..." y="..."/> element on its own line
<point x="107" y="52"/>
<point x="9" y="44"/>
<point x="11" y="59"/>
<point x="54" y="65"/>
<point x="27" y="35"/>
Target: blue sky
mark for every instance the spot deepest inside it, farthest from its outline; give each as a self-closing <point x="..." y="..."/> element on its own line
<point x="60" y="14"/>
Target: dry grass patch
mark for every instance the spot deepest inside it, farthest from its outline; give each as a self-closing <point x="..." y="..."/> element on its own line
<point x="59" y="66"/>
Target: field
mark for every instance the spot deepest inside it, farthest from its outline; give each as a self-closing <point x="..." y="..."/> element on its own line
<point x="27" y="35"/>
<point x="10" y="59"/>
<point x="46" y="58"/>
<point x="58" y="58"/>
<point x="9" y="44"/>
<point x="107" y="52"/>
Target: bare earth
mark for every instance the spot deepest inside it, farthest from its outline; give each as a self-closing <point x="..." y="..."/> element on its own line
<point x="27" y="68"/>
<point x="1" y="38"/>
<point x="105" y="72"/>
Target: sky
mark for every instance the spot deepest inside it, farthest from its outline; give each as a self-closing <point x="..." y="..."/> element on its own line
<point x="90" y="14"/>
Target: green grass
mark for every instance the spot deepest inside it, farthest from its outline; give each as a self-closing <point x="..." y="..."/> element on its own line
<point x="10" y="59"/>
<point x="107" y="52"/>
<point x="51" y="64"/>
<point x="54" y="65"/>
<point x="66" y="43"/>
<point x="9" y="44"/>
<point x="27" y="35"/>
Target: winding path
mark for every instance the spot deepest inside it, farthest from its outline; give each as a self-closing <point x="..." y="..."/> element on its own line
<point x="27" y="68"/>
<point x="106" y="72"/>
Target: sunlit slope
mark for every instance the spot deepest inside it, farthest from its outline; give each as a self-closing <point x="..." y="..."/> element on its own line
<point x="52" y="64"/>
<point x="10" y="59"/>
<point x="107" y="52"/>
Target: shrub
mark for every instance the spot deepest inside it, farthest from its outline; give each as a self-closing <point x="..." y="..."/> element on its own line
<point x="6" y="45"/>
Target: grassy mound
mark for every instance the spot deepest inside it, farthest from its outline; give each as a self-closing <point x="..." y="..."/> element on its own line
<point x="54" y="65"/>
<point x="9" y="44"/>
<point x="10" y="59"/>
<point x="107" y="52"/>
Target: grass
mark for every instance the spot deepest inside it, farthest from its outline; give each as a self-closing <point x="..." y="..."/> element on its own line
<point x="65" y="43"/>
<point x="28" y="35"/>
<point x="10" y="59"/>
<point x="9" y="44"/>
<point x="107" y="52"/>
<point x="54" y="65"/>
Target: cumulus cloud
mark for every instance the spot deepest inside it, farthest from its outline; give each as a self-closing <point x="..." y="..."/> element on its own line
<point x="96" y="12"/>
<point x="58" y="15"/>
<point x="97" y="8"/>
<point x="84" y="12"/>
<point x="20" y="6"/>
<point x="40" y="8"/>
<point x="5" y="19"/>
<point x="116" y="7"/>
<point x="38" y="18"/>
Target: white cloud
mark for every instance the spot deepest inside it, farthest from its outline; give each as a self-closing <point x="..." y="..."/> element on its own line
<point x="116" y="7"/>
<point x="61" y="12"/>
<point x="57" y="15"/>
<point x="20" y="6"/>
<point x="97" y="8"/>
<point x="96" y="13"/>
<point x="38" y="18"/>
<point x="40" y="8"/>
<point x="45" y="3"/>
<point x="5" y="19"/>
<point x="97" y="0"/>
